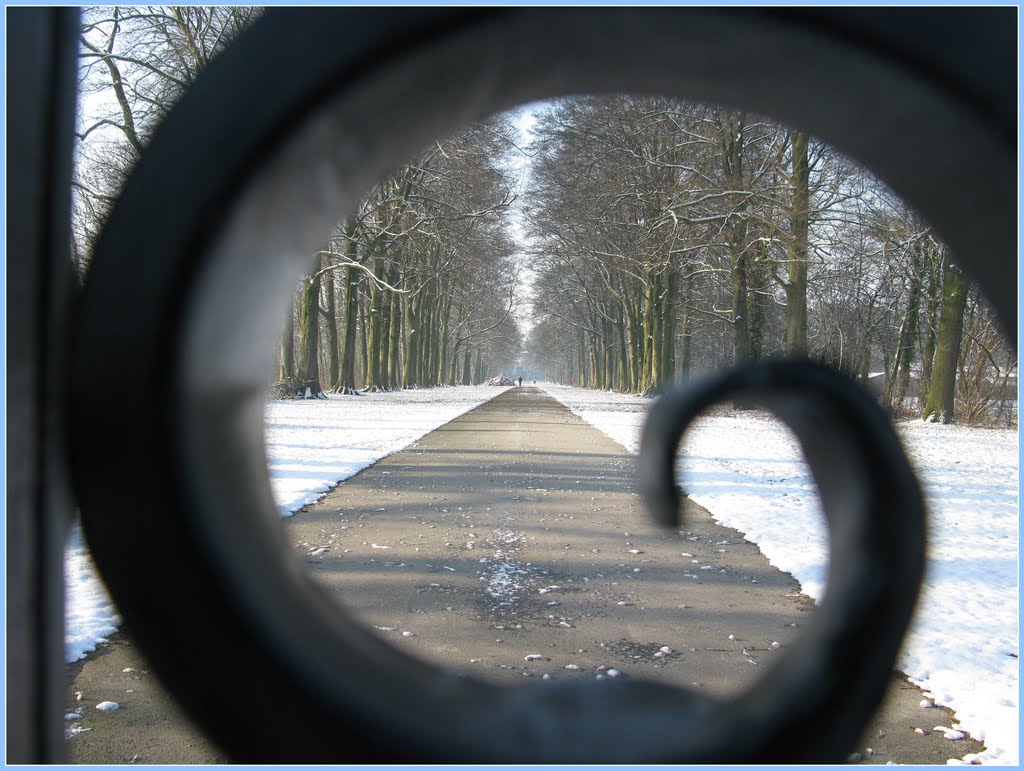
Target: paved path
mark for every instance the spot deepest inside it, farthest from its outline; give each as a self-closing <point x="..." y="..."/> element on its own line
<point x="515" y="531"/>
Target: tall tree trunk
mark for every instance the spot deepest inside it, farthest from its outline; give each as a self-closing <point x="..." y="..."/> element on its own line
<point x="939" y="406"/>
<point x="741" y="353"/>
<point x="581" y="346"/>
<point x="608" y="352"/>
<point x="757" y="299"/>
<point x="634" y="342"/>
<point x="478" y="370"/>
<point x="387" y="303"/>
<point x="593" y="359"/>
<point x="668" y="330"/>
<point x="413" y="330"/>
<point x="348" y="353"/>
<point x="309" y="332"/>
<point x="898" y="384"/>
<point x="453" y="367"/>
<point x="427" y="340"/>
<point x="732" y="149"/>
<point x="931" y="327"/>
<point x="685" y="322"/>
<point x="373" y="338"/>
<point x="651" y="364"/>
<point x="799" y="221"/>
<point x="364" y="357"/>
<point x="740" y="311"/>
<point x="622" y="370"/>
<point x="467" y="368"/>
<point x="331" y="327"/>
<point x="287" y="369"/>
<point x="442" y="356"/>
<point x="394" y="366"/>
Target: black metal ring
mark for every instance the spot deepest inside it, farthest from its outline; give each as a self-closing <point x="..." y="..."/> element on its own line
<point x="271" y="146"/>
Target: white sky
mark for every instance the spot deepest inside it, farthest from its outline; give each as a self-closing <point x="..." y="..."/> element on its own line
<point x="525" y="120"/>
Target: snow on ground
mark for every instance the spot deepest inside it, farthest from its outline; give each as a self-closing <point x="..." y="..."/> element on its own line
<point x="89" y="612"/>
<point x="746" y="469"/>
<point x="311" y="446"/>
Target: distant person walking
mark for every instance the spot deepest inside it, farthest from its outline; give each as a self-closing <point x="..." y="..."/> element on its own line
<point x="520" y="381"/>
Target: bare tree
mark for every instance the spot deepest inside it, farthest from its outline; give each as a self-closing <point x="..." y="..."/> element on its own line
<point x="940" y="404"/>
<point x="671" y="237"/>
<point x="135" y="63"/>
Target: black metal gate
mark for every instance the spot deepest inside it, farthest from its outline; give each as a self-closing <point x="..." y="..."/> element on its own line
<point x="248" y="173"/>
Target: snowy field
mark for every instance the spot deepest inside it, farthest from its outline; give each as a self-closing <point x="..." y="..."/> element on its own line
<point x="314" y="445"/>
<point x="747" y="471"/>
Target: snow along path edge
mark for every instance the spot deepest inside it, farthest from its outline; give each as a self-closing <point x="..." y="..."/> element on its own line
<point x="312" y="445"/>
<point x="962" y="648"/>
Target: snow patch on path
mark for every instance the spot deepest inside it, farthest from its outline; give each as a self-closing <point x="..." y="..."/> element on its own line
<point x="504" y="574"/>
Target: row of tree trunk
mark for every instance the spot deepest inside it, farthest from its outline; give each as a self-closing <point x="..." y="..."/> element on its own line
<point x="400" y="340"/>
<point x="676" y="238"/>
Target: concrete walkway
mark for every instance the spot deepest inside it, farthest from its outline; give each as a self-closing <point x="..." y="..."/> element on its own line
<point x="511" y="544"/>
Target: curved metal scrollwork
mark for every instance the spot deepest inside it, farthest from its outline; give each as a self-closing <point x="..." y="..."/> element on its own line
<point x="875" y="515"/>
<point x="240" y="186"/>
